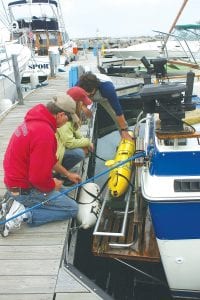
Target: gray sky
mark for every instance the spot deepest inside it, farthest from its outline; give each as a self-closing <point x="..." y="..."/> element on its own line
<point x="117" y="18"/>
<point x="83" y="18"/>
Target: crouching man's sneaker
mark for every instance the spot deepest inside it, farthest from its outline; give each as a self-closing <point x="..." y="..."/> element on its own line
<point x="15" y="223"/>
<point x="5" y="205"/>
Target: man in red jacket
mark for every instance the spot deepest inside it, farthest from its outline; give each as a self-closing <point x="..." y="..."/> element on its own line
<point x="29" y="161"/>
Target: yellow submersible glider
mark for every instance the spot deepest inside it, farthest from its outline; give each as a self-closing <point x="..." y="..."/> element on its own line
<point x="119" y="177"/>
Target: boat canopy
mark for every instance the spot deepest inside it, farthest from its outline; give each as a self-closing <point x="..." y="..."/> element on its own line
<point x="37" y="12"/>
<point x="187" y="26"/>
<point x="188" y="31"/>
<point x="33" y="1"/>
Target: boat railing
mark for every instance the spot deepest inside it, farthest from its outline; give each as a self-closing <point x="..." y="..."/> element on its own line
<point x="6" y="58"/>
<point x="23" y="40"/>
<point x="179" y="40"/>
<point x="127" y="199"/>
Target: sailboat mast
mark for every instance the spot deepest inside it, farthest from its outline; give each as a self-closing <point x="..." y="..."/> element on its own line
<point x="174" y="23"/>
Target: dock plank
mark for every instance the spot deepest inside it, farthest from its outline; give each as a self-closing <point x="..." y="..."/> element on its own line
<point x="32" y="239"/>
<point x="27" y="297"/>
<point x="27" y="284"/>
<point x="33" y="253"/>
<point x="37" y="267"/>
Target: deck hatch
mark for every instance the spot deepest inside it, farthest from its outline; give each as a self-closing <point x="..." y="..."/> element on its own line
<point x="187" y="185"/>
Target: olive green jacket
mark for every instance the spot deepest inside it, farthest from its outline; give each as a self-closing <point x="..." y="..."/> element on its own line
<point x="69" y="138"/>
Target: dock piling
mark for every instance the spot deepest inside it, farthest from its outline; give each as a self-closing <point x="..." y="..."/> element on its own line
<point x="17" y="79"/>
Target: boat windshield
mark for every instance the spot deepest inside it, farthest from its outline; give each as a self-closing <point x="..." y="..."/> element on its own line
<point x="27" y="11"/>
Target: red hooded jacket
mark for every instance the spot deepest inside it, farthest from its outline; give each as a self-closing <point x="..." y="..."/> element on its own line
<point x="31" y="152"/>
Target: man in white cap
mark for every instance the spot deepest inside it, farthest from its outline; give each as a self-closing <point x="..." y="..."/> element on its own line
<point x="28" y="163"/>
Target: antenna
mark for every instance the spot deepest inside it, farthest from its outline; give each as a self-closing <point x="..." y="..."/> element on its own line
<point x="61" y="21"/>
<point x="174" y="23"/>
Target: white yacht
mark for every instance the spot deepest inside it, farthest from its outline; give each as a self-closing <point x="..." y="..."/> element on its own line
<point x="43" y="24"/>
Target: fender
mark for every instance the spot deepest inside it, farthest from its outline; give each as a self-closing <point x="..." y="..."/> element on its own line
<point x="15" y="26"/>
<point x="88" y="205"/>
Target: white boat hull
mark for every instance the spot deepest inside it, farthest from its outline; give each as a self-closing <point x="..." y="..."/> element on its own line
<point x="150" y="50"/>
<point x="181" y="260"/>
<point x="7" y="79"/>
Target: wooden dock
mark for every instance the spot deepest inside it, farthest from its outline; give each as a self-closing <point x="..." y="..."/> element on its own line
<point x="33" y="260"/>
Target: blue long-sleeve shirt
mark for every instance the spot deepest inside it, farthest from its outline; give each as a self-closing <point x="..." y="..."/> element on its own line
<point x="107" y="90"/>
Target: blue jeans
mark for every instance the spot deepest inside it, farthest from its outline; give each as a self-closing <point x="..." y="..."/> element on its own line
<point x="60" y="208"/>
<point x="72" y="157"/>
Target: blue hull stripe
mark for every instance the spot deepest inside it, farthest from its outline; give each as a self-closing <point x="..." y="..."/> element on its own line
<point x="175" y="221"/>
<point x="175" y="163"/>
<point x="185" y="294"/>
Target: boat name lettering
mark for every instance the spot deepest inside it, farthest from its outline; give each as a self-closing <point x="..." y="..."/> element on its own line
<point x="40" y="66"/>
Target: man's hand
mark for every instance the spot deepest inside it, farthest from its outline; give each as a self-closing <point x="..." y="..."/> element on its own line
<point x="91" y="148"/>
<point x="126" y="135"/>
<point x="87" y="111"/>
<point x="74" y="177"/>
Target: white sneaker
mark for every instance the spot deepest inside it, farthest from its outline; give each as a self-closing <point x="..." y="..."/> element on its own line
<point x="6" y="203"/>
<point x="15" y="223"/>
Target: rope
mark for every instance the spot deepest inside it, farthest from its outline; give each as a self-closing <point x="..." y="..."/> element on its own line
<point x="99" y="157"/>
<point x="1" y="74"/>
<point x="121" y="175"/>
<point x="141" y="154"/>
<point x="97" y="196"/>
<point x="141" y="272"/>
